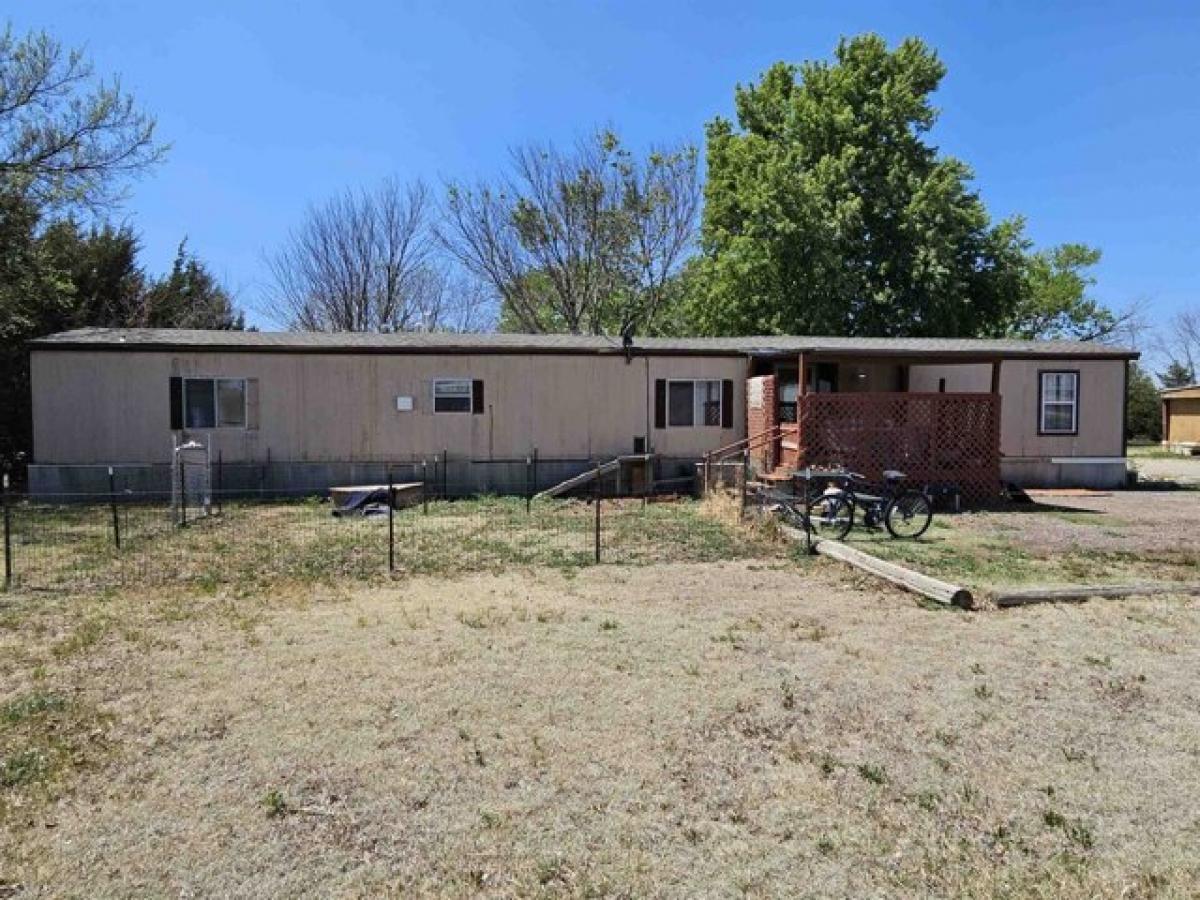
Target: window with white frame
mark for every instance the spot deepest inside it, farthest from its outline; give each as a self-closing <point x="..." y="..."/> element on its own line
<point x="693" y="403"/>
<point x="1058" y="411"/>
<point x="214" y="403"/>
<point x="452" y="395"/>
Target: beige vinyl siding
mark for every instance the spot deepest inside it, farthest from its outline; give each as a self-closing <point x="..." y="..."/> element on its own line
<point x="112" y="406"/>
<point x="1101" y="401"/>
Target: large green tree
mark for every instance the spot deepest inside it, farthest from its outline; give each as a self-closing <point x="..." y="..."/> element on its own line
<point x="829" y="211"/>
<point x="59" y="276"/>
<point x="1143" y="413"/>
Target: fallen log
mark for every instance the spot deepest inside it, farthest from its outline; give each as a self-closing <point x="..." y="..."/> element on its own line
<point x="1080" y="593"/>
<point x="918" y="583"/>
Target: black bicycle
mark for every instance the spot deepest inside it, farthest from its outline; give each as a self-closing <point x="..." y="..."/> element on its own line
<point x="905" y="512"/>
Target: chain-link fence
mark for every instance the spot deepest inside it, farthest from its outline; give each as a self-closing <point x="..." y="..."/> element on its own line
<point x="80" y="542"/>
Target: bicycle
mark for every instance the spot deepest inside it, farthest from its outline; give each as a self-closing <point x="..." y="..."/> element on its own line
<point x="905" y="512"/>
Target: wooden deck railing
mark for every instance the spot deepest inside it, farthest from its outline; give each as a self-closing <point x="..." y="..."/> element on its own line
<point x="933" y="438"/>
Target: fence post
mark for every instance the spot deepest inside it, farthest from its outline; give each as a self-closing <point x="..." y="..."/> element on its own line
<point x="182" y="494"/>
<point x="220" y="479"/>
<point x="425" y="487"/>
<point x="112" y="502"/>
<point x="745" y="478"/>
<point x="528" y="484"/>
<point x="391" y="524"/>
<point x="445" y="460"/>
<point x="597" y="498"/>
<point x="8" y="566"/>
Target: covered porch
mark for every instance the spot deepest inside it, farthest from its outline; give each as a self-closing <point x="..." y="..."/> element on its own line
<point x="935" y="418"/>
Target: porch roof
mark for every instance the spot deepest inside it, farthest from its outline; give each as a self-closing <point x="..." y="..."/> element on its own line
<point x="945" y="349"/>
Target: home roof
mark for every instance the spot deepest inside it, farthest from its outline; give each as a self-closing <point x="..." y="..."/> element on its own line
<point x="165" y="339"/>
<point x="1187" y="388"/>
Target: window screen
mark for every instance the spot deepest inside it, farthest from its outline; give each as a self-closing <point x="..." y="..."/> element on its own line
<point x="214" y="403"/>
<point x="693" y="404"/>
<point x="452" y="395"/>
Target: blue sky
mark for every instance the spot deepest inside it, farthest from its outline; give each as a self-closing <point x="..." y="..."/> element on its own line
<point x="1084" y="117"/>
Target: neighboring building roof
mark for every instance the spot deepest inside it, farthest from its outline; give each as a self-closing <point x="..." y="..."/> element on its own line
<point x="1186" y="389"/>
<point x="164" y="339"/>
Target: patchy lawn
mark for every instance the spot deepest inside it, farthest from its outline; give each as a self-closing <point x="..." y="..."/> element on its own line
<point x="757" y="727"/>
<point x="1126" y="536"/>
<point x="264" y="543"/>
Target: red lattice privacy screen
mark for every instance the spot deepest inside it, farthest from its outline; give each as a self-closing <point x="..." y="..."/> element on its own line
<point x="933" y="438"/>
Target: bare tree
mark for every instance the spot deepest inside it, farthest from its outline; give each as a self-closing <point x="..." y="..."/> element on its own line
<point x="366" y="262"/>
<point x="1179" y="342"/>
<point x="584" y="242"/>
<point x="66" y="138"/>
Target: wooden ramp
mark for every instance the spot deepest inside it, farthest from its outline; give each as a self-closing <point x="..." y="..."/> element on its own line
<point x="592" y="474"/>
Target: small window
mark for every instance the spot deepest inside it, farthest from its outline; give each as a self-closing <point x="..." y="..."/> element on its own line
<point x="693" y="403"/>
<point x="214" y="403"/>
<point x="452" y="395"/>
<point x="1059" y="412"/>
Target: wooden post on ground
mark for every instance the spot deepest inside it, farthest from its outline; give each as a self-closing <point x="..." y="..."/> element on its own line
<point x="1081" y="592"/>
<point x="941" y="591"/>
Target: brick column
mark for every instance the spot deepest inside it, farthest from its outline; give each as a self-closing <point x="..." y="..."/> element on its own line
<point x="761" y="415"/>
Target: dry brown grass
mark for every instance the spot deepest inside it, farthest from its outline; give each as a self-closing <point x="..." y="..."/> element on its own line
<point x="1123" y="537"/>
<point x="712" y="729"/>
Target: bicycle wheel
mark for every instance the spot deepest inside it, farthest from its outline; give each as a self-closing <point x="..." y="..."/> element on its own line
<point x="908" y="515"/>
<point x="831" y="516"/>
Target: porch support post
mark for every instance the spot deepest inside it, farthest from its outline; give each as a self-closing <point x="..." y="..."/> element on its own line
<point x="801" y="390"/>
<point x="995" y="376"/>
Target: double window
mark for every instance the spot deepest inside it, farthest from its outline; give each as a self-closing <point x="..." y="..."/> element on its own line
<point x="1058" y="403"/>
<point x="214" y="403"/>
<point x="693" y="403"/>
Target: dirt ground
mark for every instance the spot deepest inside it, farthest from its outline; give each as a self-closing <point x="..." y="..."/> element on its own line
<point x="1180" y="469"/>
<point x="1124" y="536"/>
<point x="752" y="728"/>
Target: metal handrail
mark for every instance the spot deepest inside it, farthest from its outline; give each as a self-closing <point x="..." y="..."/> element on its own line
<point x="743" y="446"/>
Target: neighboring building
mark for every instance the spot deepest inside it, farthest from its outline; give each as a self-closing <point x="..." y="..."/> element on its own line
<point x="1035" y="413"/>
<point x="1181" y="418"/>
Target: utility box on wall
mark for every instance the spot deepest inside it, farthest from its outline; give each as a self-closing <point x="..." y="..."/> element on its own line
<point x="404" y="404"/>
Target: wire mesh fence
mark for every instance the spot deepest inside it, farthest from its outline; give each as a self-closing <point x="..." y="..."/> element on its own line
<point x="74" y="542"/>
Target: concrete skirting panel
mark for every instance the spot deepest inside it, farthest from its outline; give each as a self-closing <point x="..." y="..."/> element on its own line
<point x="460" y="478"/>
